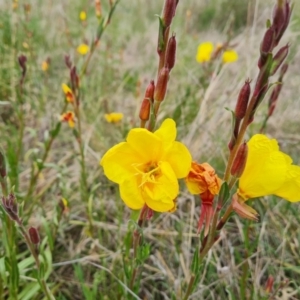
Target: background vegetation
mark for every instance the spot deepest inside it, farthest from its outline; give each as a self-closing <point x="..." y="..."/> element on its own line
<point x="84" y="263"/>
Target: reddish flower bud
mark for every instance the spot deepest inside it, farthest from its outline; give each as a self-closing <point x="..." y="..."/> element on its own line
<point x="74" y="78"/>
<point x="168" y="12"/>
<point x="279" y="58"/>
<point x="283" y="69"/>
<point x="239" y="161"/>
<point x="2" y="165"/>
<point x="146" y="104"/>
<point x="68" y="61"/>
<point x="267" y="43"/>
<point x="242" y="102"/>
<point x="171" y="53"/>
<point x="22" y="61"/>
<point x="269" y="284"/>
<point x="161" y="85"/>
<point x="11" y="206"/>
<point x="34" y="235"/>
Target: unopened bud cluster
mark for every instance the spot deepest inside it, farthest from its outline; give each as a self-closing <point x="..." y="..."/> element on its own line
<point x="166" y="49"/>
<point x="268" y="64"/>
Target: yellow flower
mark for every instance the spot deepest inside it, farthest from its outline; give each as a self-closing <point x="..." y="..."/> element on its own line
<point x="82" y="15"/>
<point x="83" y="49"/>
<point x="68" y="117"/>
<point x="147" y="167"/>
<point x="113" y="117"/>
<point x="269" y="171"/>
<point x="229" y="56"/>
<point x="45" y="66"/>
<point x="204" y="52"/>
<point x="68" y="92"/>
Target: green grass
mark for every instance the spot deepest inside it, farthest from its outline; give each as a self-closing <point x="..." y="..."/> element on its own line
<point x="80" y="263"/>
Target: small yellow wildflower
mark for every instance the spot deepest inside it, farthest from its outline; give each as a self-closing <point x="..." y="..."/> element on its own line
<point x="45" y="66"/>
<point x="113" y="117"/>
<point x="269" y="171"/>
<point x="25" y="45"/>
<point x="68" y="92"/>
<point x="229" y="56"/>
<point x="82" y="15"/>
<point x="68" y="117"/>
<point x="147" y="167"/>
<point x="83" y="49"/>
<point x="204" y="52"/>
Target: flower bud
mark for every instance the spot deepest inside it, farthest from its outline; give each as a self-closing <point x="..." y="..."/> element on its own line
<point x="242" y="102"/>
<point x="267" y="43"/>
<point x="146" y="104"/>
<point x="74" y="78"/>
<point x="168" y="12"/>
<point x="171" y="53"/>
<point x="161" y="85"/>
<point x="68" y="61"/>
<point x="34" y="235"/>
<point x="269" y="284"/>
<point x="279" y="58"/>
<point x="2" y="165"/>
<point x="22" y="62"/>
<point x="239" y="161"/>
<point x="283" y="69"/>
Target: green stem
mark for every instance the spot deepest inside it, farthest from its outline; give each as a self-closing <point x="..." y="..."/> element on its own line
<point x="190" y="287"/>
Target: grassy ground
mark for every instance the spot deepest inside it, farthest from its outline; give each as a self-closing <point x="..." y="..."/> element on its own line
<point x="91" y="264"/>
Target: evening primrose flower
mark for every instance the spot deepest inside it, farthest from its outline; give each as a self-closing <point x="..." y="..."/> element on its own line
<point x="83" y="49"/>
<point x="45" y="66"/>
<point x="68" y="93"/>
<point x="68" y="117"/>
<point x="113" y="117"/>
<point x="204" y="52"/>
<point x="82" y="15"/>
<point x="203" y="180"/>
<point x="229" y="56"/>
<point x="147" y="167"/>
<point x="269" y="171"/>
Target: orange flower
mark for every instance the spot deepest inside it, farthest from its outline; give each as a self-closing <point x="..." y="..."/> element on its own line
<point x="68" y="117"/>
<point x="68" y="93"/>
<point x="202" y="177"/>
<point x="203" y="180"/>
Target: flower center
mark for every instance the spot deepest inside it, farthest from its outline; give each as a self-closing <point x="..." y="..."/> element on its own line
<point x="147" y="173"/>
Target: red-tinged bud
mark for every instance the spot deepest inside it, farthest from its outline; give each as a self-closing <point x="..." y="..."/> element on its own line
<point x="22" y="62"/>
<point x="242" y="102"/>
<point x="267" y="43"/>
<point x="68" y="61"/>
<point x="34" y="235"/>
<point x="2" y="165"/>
<point x="279" y="16"/>
<point x="161" y="85"/>
<point x="145" y="110"/>
<point x="11" y="207"/>
<point x="283" y="70"/>
<point x="279" y="58"/>
<point x="263" y="76"/>
<point x="239" y="161"/>
<point x="171" y="53"/>
<point x="168" y="12"/>
<point x="74" y="78"/>
<point x="146" y="104"/>
<point x="269" y="284"/>
<point x="232" y="142"/>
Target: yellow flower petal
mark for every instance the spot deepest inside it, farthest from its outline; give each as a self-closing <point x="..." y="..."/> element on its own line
<point x="144" y="142"/>
<point x="82" y="15"/>
<point x="179" y="158"/>
<point x="167" y="132"/>
<point x="269" y="171"/>
<point x="131" y="194"/>
<point x="290" y="190"/>
<point x="83" y="49"/>
<point x="204" y="52"/>
<point x="119" y="161"/>
<point x="113" y="117"/>
<point x="229" y="56"/>
<point x="161" y="206"/>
